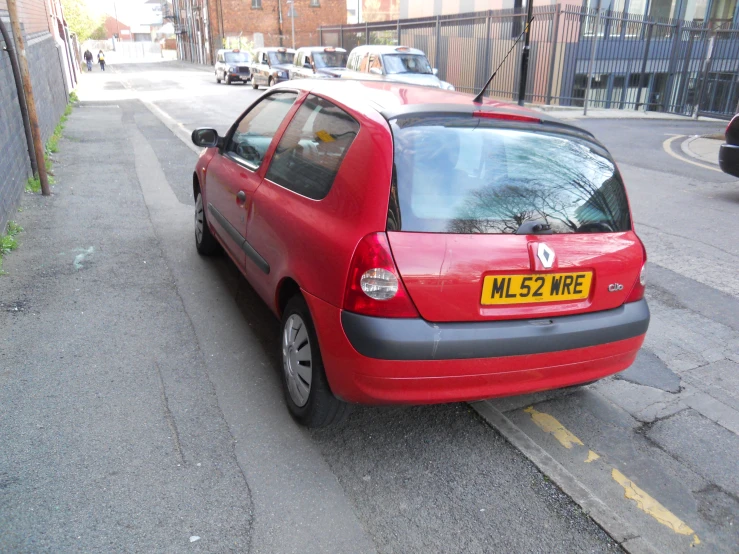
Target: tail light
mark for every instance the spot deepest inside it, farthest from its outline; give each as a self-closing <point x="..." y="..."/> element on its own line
<point x="637" y="293"/>
<point x="374" y="287"/>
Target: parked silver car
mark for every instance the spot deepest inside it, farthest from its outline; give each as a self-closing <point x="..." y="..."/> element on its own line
<point x="271" y="66"/>
<point x="318" y="62"/>
<point x="393" y="63"/>
<point x="233" y="66"/>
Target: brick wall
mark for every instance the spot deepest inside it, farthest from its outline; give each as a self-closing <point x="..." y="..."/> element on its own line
<point x="33" y="14"/>
<point x="239" y="17"/>
<point x="47" y="78"/>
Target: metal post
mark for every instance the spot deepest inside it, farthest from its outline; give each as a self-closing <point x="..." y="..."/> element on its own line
<point x="643" y="66"/>
<point x="21" y="97"/>
<point x="20" y="47"/>
<point x="292" y="20"/>
<point x="704" y="78"/>
<point x="488" y="33"/>
<point x="438" y="41"/>
<point x="117" y="25"/>
<point x="525" y="54"/>
<point x="553" y="57"/>
<point x="673" y="61"/>
<point x="397" y="31"/>
<point x="591" y="63"/>
<point x="341" y="36"/>
<point x="366" y="32"/>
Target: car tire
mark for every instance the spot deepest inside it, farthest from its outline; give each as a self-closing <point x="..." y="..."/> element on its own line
<point x="307" y="394"/>
<point x="228" y="79"/>
<point x="254" y="84"/>
<point x="270" y="82"/>
<point x="218" y="79"/>
<point x="205" y="243"/>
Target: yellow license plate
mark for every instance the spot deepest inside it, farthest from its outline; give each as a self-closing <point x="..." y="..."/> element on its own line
<point x="523" y="289"/>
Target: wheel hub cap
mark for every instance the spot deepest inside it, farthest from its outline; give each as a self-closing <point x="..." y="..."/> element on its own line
<point x="297" y="360"/>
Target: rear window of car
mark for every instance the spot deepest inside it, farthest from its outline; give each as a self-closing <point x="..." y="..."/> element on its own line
<point x="310" y="152"/>
<point x="470" y="175"/>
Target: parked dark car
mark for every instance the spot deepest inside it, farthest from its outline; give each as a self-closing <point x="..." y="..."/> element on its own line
<point x="271" y="66"/>
<point x="232" y="66"/>
<point x="728" y="155"/>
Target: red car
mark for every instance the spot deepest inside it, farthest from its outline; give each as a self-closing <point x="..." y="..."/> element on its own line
<point x="420" y="247"/>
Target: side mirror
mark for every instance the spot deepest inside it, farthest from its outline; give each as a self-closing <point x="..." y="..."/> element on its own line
<point x="375" y="71"/>
<point x="206" y="138"/>
<point x="435" y="71"/>
<point x="307" y="65"/>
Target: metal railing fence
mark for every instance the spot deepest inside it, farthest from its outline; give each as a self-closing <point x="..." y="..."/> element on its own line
<point x="639" y="63"/>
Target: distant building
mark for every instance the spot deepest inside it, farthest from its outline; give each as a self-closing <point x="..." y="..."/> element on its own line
<point x="204" y="26"/>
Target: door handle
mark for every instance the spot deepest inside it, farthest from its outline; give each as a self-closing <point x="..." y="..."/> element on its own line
<point x="241" y="197"/>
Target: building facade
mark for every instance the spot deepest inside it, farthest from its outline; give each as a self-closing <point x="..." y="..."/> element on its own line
<point x="721" y="13"/>
<point x="204" y="26"/>
<point x="53" y="65"/>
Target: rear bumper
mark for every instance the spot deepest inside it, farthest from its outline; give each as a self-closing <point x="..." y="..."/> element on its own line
<point x="728" y="159"/>
<point x="416" y="339"/>
<point x="396" y="363"/>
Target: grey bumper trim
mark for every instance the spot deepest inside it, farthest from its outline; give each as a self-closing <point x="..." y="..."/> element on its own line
<point x="416" y="339"/>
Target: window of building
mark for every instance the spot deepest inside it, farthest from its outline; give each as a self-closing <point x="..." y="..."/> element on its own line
<point x="310" y="152"/>
<point x="256" y="4"/>
<point x="315" y="4"/>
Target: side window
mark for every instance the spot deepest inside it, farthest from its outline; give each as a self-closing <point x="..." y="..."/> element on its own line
<point x="310" y="152"/>
<point x="376" y="61"/>
<point x="363" y="65"/>
<point x="256" y="129"/>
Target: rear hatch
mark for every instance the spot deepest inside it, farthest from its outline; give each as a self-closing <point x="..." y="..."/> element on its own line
<point x="493" y="219"/>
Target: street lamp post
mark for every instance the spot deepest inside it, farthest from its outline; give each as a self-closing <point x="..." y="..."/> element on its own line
<point x="291" y="3"/>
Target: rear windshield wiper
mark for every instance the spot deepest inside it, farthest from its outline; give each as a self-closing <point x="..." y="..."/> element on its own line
<point x="534" y="228"/>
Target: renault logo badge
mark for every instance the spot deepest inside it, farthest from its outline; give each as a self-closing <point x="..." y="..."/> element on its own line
<point x="545" y="255"/>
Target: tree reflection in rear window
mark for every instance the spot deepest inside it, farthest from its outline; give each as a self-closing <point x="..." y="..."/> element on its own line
<point x="469" y="175"/>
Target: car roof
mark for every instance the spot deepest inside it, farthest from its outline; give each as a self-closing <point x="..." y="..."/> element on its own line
<point x="393" y="99"/>
<point x="276" y="49"/>
<point x="319" y="49"/>
<point x="385" y="49"/>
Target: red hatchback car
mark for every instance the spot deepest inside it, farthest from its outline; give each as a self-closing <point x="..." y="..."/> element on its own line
<point x="420" y="247"/>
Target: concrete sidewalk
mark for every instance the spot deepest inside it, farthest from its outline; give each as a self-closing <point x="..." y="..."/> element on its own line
<point x="703" y="148"/>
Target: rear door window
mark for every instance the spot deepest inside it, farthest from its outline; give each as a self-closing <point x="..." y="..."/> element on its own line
<point x="312" y="148"/>
<point x="470" y="175"/>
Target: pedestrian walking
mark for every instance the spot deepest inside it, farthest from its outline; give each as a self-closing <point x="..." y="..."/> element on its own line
<point x="88" y="59"/>
<point x="101" y="60"/>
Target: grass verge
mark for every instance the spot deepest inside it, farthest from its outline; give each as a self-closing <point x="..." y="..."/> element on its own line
<point x="8" y="242"/>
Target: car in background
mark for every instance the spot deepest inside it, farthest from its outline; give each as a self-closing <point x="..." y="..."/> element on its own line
<point x="233" y="66"/>
<point x="728" y="154"/>
<point x="393" y="63"/>
<point x="271" y="66"/>
<point x="318" y="62"/>
<point x="419" y="247"/>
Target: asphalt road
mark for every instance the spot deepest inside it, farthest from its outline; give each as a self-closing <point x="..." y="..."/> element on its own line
<point x="174" y="361"/>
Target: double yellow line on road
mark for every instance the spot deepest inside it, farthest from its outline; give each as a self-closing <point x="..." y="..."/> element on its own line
<point x="643" y="500"/>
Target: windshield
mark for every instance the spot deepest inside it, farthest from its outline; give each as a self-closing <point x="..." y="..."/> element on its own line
<point x="323" y="60"/>
<point x="469" y="175"/>
<point x="406" y="63"/>
<point x="277" y="58"/>
<point x="237" y="57"/>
